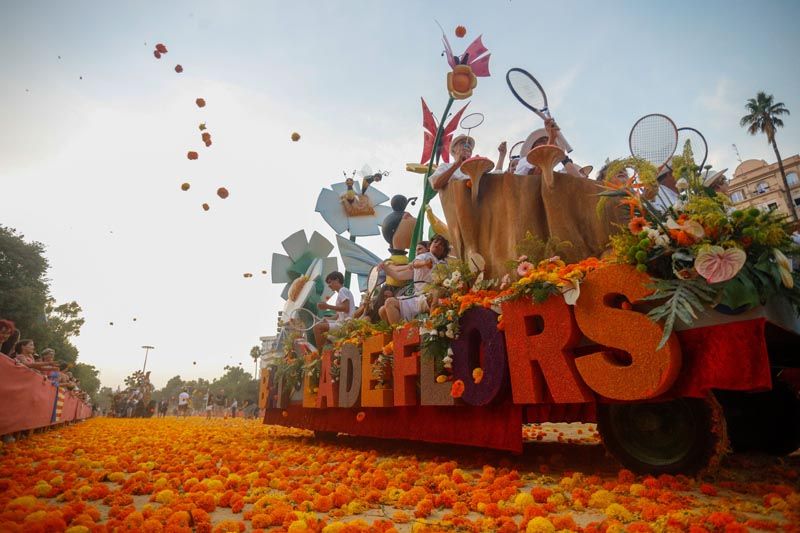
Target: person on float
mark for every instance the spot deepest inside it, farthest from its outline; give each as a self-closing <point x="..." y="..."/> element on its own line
<point x="183" y="403"/>
<point x="345" y="306"/>
<point x="395" y="309"/>
<point x="546" y="135"/>
<point x="461" y="149"/>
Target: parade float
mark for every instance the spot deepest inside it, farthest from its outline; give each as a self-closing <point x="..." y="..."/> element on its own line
<point x="660" y="313"/>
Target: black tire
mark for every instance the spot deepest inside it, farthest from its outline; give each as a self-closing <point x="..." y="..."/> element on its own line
<point x="767" y="422"/>
<point x="672" y="437"/>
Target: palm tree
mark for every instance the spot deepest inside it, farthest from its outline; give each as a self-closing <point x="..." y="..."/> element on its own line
<point x="763" y="117"/>
<point x="255" y="353"/>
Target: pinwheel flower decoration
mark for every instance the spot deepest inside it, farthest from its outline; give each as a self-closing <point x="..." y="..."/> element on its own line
<point x="354" y="207"/>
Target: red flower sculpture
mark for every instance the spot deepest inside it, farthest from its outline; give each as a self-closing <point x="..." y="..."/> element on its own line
<point x="429" y="124"/>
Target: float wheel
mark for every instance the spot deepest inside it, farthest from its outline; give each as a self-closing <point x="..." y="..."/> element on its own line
<point x="668" y="437"/>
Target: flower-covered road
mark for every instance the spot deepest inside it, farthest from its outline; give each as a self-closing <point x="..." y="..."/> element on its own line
<point x="236" y="475"/>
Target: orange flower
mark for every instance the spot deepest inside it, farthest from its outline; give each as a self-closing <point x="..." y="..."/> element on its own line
<point x="477" y="375"/>
<point x="461" y="31"/>
<point x="206" y="207"/>
<point x="192" y="155"/>
<point x="222" y="192"/>
<point x="185" y="186"/>
<point x="457" y="389"/>
<point x="361" y="416"/>
<point x="200" y="102"/>
<point x="637" y="224"/>
<point x="295" y="136"/>
<point x="683" y="238"/>
<point x="161" y="48"/>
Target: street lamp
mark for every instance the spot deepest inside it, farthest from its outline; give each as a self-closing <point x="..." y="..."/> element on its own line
<point x="146" y="350"/>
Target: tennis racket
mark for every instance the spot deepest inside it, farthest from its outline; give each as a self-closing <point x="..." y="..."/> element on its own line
<point x="302" y="320"/>
<point x="473" y="120"/>
<point x="654" y="138"/>
<point x="530" y="93"/>
<point x="696" y="141"/>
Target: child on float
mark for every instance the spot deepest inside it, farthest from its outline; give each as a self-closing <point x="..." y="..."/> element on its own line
<point x="345" y="306"/>
<point x="400" y="309"/>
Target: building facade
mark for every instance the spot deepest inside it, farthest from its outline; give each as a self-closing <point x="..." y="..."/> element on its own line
<point x="756" y="183"/>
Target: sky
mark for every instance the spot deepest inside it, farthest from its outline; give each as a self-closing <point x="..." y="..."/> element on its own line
<point x="94" y="132"/>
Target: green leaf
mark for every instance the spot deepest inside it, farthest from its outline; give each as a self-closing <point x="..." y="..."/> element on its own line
<point x="740" y="291"/>
<point x="683" y="298"/>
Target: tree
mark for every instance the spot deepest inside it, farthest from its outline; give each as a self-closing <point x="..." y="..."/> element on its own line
<point x="255" y="353"/>
<point x="171" y="390"/>
<point x="104" y="398"/>
<point x="25" y="297"/>
<point x="89" y="378"/>
<point x="237" y="384"/>
<point x="23" y="286"/>
<point x="764" y="117"/>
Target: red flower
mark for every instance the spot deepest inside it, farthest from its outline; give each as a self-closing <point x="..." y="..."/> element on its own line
<point x="222" y="192"/>
<point x="461" y="31"/>
<point x="361" y="416"/>
<point x="206" y="207"/>
<point x="200" y="102"/>
<point x="157" y="54"/>
<point x="192" y="155"/>
<point x="178" y="69"/>
<point x="161" y="48"/>
<point x="457" y="389"/>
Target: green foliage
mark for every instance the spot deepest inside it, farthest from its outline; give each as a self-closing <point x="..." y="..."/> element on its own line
<point x="25" y="297"/>
<point x="89" y="377"/>
<point x="103" y="398"/>
<point x="683" y="298"/>
<point x="763" y="115"/>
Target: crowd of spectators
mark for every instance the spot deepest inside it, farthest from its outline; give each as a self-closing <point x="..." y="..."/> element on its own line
<point x="23" y="353"/>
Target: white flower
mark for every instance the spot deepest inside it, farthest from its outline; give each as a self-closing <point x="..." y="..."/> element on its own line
<point x="447" y="283"/>
<point x="659" y="238"/>
<point x="682" y="184"/>
<point x="456" y="275"/>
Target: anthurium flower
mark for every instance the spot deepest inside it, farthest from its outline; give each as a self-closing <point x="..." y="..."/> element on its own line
<point x="717" y="264"/>
<point x="784" y="267"/>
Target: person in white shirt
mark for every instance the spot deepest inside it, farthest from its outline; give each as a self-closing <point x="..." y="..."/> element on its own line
<point x="461" y="148"/>
<point x="345" y="306"/>
<point x="397" y="309"/>
<point x="183" y="403"/>
<point x="548" y="134"/>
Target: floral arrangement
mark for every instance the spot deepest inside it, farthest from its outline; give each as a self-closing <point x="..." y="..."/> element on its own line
<point x="550" y="277"/>
<point x="702" y="252"/>
<point x="354" y="332"/>
<point x="457" y="289"/>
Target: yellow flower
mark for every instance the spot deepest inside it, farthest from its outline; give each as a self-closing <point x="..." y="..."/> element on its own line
<point x="540" y="524"/>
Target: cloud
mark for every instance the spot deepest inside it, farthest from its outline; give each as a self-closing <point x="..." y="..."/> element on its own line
<point x="557" y="91"/>
<point x="720" y="103"/>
